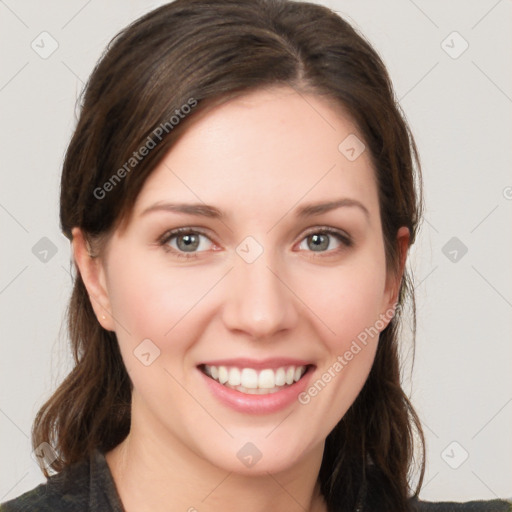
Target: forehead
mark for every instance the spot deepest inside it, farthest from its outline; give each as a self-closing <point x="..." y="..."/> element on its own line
<point x="265" y="150"/>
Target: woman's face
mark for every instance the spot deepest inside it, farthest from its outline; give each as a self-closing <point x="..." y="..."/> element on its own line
<point x="279" y="268"/>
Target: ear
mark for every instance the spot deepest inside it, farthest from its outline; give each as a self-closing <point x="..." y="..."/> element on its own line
<point x="93" y="275"/>
<point x="394" y="280"/>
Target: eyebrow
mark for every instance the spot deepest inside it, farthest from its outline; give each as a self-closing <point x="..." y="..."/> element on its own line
<point x="313" y="209"/>
<point x="204" y="210"/>
<point x="198" y="209"/>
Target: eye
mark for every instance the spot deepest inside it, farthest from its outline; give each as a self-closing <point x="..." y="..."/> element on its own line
<point x="325" y="240"/>
<point x="185" y="242"/>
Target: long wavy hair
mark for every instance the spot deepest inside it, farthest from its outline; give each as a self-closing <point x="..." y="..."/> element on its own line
<point x="202" y="53"/>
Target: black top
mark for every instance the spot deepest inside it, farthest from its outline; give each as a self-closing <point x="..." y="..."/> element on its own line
<point x="88" y="486"/>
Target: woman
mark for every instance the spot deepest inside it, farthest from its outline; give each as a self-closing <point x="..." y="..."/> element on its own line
<point x="240" y="193"/>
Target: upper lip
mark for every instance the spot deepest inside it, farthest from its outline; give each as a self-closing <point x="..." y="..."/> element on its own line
<point x="258" y="364"/>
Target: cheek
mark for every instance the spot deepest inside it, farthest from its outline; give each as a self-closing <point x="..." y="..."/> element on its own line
<point x="346" y="299"/>
<point x="149" y="298"/>
<point x="152" y="301"/>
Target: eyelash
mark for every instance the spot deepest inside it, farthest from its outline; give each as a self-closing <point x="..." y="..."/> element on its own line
<point x="345" y="239"/>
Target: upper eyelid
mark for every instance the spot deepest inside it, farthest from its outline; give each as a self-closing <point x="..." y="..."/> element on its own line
<point x="173" y="233"/>
<point x="329" y="230"/>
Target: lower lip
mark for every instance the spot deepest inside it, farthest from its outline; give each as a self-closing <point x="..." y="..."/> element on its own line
<point x="258" y="404"/>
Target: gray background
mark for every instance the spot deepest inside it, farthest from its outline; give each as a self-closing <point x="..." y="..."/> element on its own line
<point x="459" y="107"/>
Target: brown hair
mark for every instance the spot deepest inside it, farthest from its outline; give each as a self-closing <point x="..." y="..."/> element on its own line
<point x="201" y="53"/>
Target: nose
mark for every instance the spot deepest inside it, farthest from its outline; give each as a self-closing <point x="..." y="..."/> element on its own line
<point x="259" y="303"/>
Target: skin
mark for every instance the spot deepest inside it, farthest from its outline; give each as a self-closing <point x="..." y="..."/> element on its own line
<point x="257" y="158"/>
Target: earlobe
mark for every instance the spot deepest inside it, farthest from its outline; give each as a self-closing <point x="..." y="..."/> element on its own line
<point x="93" y="275"/>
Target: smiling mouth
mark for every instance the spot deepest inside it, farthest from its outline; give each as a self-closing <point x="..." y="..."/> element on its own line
<point x="256" y="382"/>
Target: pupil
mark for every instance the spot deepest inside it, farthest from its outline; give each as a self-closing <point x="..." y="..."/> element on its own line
<point x="189" y="242"/>
<point x="320" y="241"/>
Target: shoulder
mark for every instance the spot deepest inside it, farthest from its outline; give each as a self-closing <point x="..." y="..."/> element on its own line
<point x="374" y="497"/>
<point x="71" y="490"/>
<point x="469" y="506"/>
<point x="45" y="498"/>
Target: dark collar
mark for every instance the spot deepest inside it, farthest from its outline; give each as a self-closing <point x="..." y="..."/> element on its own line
<point x="103" y="493"/>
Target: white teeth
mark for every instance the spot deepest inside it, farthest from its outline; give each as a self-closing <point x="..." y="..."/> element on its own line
<point x="223" y="374"/>
<point x="249" y="378"/>
<point x="250" y="381"/>
<point x="266" y="379"/>
<point x="234" y="377"/>
<point x="280" y="379"/>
